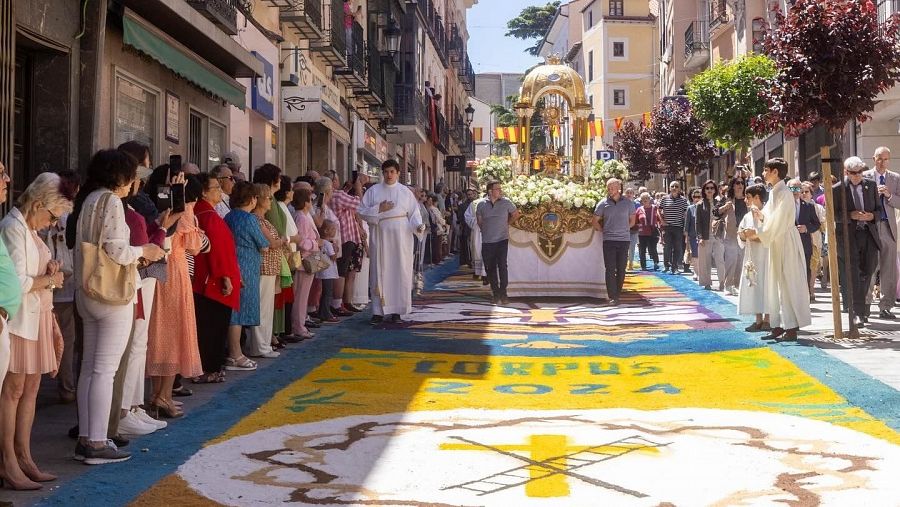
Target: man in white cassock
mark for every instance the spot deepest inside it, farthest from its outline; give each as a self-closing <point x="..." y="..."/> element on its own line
<point x="475" y="239"/>
<point x="787" y="296"/>
<point x="392" y="212"/>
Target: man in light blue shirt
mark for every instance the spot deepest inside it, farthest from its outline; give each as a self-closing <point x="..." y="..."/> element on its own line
<point x="614" y="217"/>
<point x="10" y="288"/>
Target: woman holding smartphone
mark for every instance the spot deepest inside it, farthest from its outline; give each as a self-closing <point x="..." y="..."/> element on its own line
<point x="172" y="346"/>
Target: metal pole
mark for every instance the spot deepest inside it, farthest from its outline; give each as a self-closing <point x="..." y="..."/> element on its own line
<point x="834" y="273"/>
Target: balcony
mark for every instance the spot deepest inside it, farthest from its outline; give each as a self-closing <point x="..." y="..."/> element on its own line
<point x="332" y="47"/>
<point x="434" y="26"/>
<point x="718" y="14"/>
<point x="223" y="13"/>
<point x="354" y="74"/>
<point x="442" y="141"/>
<point x="303" y="17"/>
<point x="456" y="48"/>
<point x="696" y="45"/>
<point x="458" y="128"/>
<point x="372" y="96"/>
<point x="466" y="75"/>
<point x="410" y="116"/>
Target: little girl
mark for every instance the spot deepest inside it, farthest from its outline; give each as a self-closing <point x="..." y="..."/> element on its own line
<point x="751" y="298"/>
<point x="328" y="232"/>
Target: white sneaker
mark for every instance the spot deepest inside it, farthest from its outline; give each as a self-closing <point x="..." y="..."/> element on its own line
<point x="144" y="416"/>
<point x="271" y="355"/>
<point x="733" y="290"/>
<point x="133" y="426"/>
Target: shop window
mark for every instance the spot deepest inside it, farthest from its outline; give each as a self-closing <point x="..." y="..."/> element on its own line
<point x="136" y="113"/>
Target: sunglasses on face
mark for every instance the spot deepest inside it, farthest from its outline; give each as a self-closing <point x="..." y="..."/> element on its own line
<point x="795" y="189"/>
<point x="854" y="173"/>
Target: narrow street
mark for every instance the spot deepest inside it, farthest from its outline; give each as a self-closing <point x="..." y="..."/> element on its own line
<point x="664" y="400"/>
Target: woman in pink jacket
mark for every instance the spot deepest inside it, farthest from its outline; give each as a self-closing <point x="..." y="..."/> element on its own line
<point x="309" y="242"/>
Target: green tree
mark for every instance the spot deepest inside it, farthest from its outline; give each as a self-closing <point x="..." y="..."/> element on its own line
<point x="728" y="98"/>
<point x="532" y="23"/>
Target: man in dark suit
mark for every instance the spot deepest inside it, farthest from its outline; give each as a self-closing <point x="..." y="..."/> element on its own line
<point x="860" y="198"/>
<point x="806" y="220"/>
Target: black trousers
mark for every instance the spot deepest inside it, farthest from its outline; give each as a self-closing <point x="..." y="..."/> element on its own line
<point x="212" y="333"/>
<point x="615" y="256"/>
<point x="645" y="244"/>
<point x="494" y="257"/>
<point x="325" y="300"/>
<point x="863" y="261"/>
<point x="464" y="256"/>
<point x="673" y="250"/>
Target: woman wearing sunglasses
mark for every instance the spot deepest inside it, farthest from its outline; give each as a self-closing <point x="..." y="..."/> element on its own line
<point x="710" y="247"/>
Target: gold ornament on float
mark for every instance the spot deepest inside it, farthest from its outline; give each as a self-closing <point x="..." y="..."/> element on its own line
<point x="551" y="221"/>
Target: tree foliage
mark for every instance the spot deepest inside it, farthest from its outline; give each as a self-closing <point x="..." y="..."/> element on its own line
<point x="634" y="145"/>
<point x="532" y="23"/>
<point x="679" y="138"/>
<point x="833" y="59"/>
<point x="727" y="99"/>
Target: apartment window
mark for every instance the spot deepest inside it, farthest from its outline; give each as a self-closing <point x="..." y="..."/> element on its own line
<point x="136" y="113"/>
<point x="206" y="141"/>
<point x="618" y="49"/>
<point x="591" y="18"/>
<point x="619" y="97"/>
<point x="616" y="7"/>
<point x="590" y="66"/>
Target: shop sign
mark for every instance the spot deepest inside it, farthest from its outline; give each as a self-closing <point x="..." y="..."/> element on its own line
<point x="369" y="141"/>
<point x="262" y="98"/>
<point x="301" y="104"/>
<point x="381" y="151"/>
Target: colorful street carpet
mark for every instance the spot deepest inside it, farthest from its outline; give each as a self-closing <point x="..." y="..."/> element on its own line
<point x="661" y="401"/>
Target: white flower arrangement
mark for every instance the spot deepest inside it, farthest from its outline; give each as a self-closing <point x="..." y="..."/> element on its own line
<point x="528" y="192"/>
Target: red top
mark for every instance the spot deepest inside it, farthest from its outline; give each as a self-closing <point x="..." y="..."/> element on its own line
<point x="647" y="221"/>
<point x="219" y="262"/>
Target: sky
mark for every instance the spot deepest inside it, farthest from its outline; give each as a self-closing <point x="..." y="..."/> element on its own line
<point x="489" y="49"/>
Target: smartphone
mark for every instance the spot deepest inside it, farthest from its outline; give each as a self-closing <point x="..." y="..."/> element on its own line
<point x="320" y="199"/>
<point x="355" y="176"/>
<point x="177" y="193"/>
<point x="174" y="164"/>
<point x="163" y="198"/>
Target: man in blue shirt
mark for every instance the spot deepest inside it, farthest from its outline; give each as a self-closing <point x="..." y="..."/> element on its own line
<point x="10" y="289"/>
<point x="614" y="217"/>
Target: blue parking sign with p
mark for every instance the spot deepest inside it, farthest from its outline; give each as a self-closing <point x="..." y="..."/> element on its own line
<point x="606" y="155"/>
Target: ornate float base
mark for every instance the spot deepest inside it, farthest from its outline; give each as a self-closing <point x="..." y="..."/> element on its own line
<point x="569" y="265"/>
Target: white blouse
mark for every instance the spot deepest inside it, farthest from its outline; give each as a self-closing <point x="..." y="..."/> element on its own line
<point x="23" y="250"/>
<point x="115" y="236"/>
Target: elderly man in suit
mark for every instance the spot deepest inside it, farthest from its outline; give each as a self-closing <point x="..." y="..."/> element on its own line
<point x="806" y="219"/>
<point x="888" y="186"/>
<point x="860" y="196"/>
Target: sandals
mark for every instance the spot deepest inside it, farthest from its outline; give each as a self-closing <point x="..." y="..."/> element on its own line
<point x="182" y="391"/>
<point x="210" y="378"/>
<point x="239" y="364"/>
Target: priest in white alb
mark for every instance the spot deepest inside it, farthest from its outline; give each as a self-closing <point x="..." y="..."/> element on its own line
<point x="787" y="296"/>
<point x="475" y="239"/>
<point x="392" y="212"/>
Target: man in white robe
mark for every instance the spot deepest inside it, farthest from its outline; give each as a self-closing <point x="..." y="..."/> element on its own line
<point x="475" y="239"/>
<point x="392" y="212"/>
<point x="786" y="298"/>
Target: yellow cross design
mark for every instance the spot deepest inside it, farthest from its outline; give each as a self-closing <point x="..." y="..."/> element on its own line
<point x="549" y="457"/>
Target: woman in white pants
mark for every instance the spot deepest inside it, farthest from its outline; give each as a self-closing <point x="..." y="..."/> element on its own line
<point x="260" y="342"/>
<point x="110" y="176"/>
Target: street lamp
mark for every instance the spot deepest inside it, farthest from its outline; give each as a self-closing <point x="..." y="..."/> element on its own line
<point x="470" y="114"/>
<point x="392" y="38"/>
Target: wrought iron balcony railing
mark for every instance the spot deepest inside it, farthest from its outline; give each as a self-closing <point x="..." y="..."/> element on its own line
<point x="333" y="45"/>
<point x="302" y="16"/>
<point x="409" y="106"/>
<point x="443" y="134"/>
<point x="221" y="12"/>
<point x="696" y="44"/>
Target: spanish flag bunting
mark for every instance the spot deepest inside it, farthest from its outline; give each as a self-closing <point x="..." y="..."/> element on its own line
<point x="500" y="133"/>
<point x="536" y="164"/>
<point x="645" y="119"/>
<point x="595" y="128"/>
<point x="512" y="135"/>
<point x="477" y="132"/>
<point x="620" y="120"/>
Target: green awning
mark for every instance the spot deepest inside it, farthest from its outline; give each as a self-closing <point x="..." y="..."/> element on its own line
<point x="181" y="63"/>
